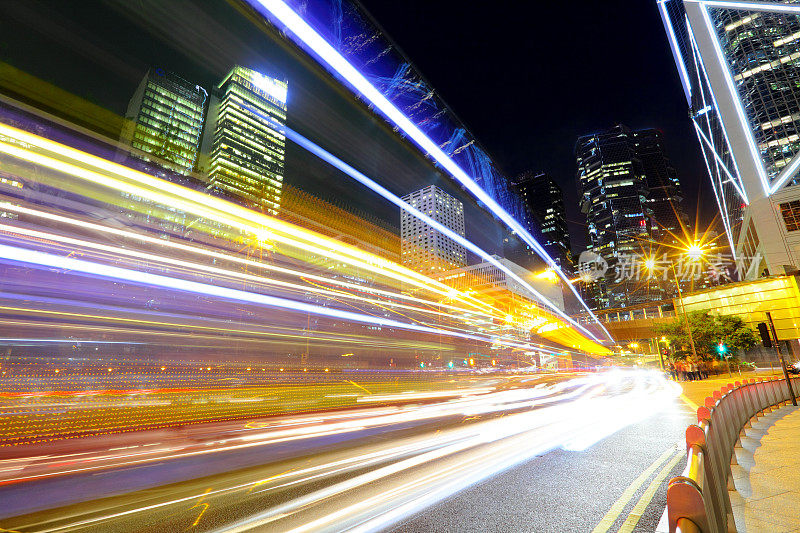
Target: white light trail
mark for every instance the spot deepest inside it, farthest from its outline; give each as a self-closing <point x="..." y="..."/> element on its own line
<point x="171" y="261"/>
<point x="47" y="260"/>
<point x="327" y="54"/>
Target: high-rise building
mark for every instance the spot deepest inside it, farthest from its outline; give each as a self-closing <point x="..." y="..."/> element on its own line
<point x="664" y="196"/>
<point x="245" y="147"/>
<point x="613" y="191"/>
<point x="165" y="119"/>
<point x="423" y="248"/>
<point x="545" y="200"/>
<point x="632" y="199"/>
<point x="738" y="64"/>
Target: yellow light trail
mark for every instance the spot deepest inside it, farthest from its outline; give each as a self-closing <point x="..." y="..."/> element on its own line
<point x="118" y="251"/>
<point x="261" y="226"/>
<point x="5" y="206"/>
<point x="124" y="179"/>
<point x="340" y="338"/>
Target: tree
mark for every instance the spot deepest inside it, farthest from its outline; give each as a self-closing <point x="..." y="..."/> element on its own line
<point x="708" y="331"/>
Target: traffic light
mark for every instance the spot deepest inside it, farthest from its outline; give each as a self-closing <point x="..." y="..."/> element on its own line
<point x="494" y="363"/>
<point x="471" y="361"/>
<point x="722" y="349"/>
<point x="450" y="364"/>
<point x="766" y="340"/>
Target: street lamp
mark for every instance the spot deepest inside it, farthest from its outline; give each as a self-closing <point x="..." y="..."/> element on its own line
<point x="547" y="274"/>
<point x="694" y="252"/>
<point x="660" y="354"/>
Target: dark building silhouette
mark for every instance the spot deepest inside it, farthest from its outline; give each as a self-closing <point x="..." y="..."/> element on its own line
<point x="664" y="191"/>
<point x="545" y="200"/>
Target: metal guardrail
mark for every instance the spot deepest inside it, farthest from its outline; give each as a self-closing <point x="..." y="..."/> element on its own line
<point x="698" y="499"/>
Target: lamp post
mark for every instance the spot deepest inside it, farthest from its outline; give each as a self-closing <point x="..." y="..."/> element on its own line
<point x="683" y="310"/>
<point x="661" y="355"/>
<point x="694" y="252"/>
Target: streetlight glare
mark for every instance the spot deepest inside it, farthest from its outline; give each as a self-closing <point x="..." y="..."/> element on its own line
<point x="547" y="274"/>
<point x="695" y="252"/>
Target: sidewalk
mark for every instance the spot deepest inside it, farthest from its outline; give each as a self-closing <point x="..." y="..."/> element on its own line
<point x="697" y="391"/>
<point x="767" y="478"/>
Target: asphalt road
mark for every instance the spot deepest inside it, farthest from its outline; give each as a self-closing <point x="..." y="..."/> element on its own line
<point x="566" y="491"/>
<point x="536" y="457"/>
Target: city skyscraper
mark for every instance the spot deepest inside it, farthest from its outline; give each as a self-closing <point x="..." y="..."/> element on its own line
<point x="632" y="198"/>
<point x="738" y="64"/>
<point x="545" y="200"/>
<point x="664" y="197"/>
<point x="165" y="118"/>
<point x="613" y="191"/>
<point x="423" y="248"/>
<point x="246" y="149"/>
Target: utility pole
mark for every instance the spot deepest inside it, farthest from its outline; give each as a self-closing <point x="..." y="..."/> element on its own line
<point x="780" y="358"/>
<point x="683" y="309"/>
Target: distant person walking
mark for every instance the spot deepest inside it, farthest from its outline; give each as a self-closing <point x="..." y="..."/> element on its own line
<point x="681" y="368"/>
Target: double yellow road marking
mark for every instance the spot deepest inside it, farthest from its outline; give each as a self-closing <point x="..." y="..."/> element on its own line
<point x="671" y="457"/>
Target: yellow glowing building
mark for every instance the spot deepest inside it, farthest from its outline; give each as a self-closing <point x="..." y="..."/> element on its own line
<point x="751" y="300"/>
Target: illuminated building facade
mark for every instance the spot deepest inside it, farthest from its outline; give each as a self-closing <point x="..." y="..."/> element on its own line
<point x="613" y="191"/>
<point x="739" y="64"/>
<point x="423" y="248"/>
<point x="246" y="149"/>
<point x="545" y="200"/>
<point x="165" y="119"/>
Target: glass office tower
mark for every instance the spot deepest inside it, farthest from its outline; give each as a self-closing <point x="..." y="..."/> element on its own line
<point x="247" y="148"/>
<point x="612" y="188"/>
<point x="664" y="197"/>
<point x="545" y="200"/>
<point x="165" y="119"/>
<point x="739" y="64"/>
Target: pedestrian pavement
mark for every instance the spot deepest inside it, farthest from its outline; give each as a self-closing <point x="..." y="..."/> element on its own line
<point x="697" y="391"/>
<point x="767" y="476"/>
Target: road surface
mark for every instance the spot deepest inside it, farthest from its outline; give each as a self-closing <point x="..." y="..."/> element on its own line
<point x="538" y="455"/>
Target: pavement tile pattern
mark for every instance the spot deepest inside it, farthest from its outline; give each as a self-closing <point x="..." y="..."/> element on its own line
<point x="767" y="476"/>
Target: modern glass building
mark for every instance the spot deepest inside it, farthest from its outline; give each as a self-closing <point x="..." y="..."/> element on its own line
<point x="245" y="146"/>
<point x="545" y="200"/>
<point x="423" y="248"/>
<point x="664" y="197"/>
<point x="165" y="119"/>
<point x="615" y="170"/>
<point x="739" y="64"/>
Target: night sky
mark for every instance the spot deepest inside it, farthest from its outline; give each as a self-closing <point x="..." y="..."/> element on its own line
<point x="527" y="80"/>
